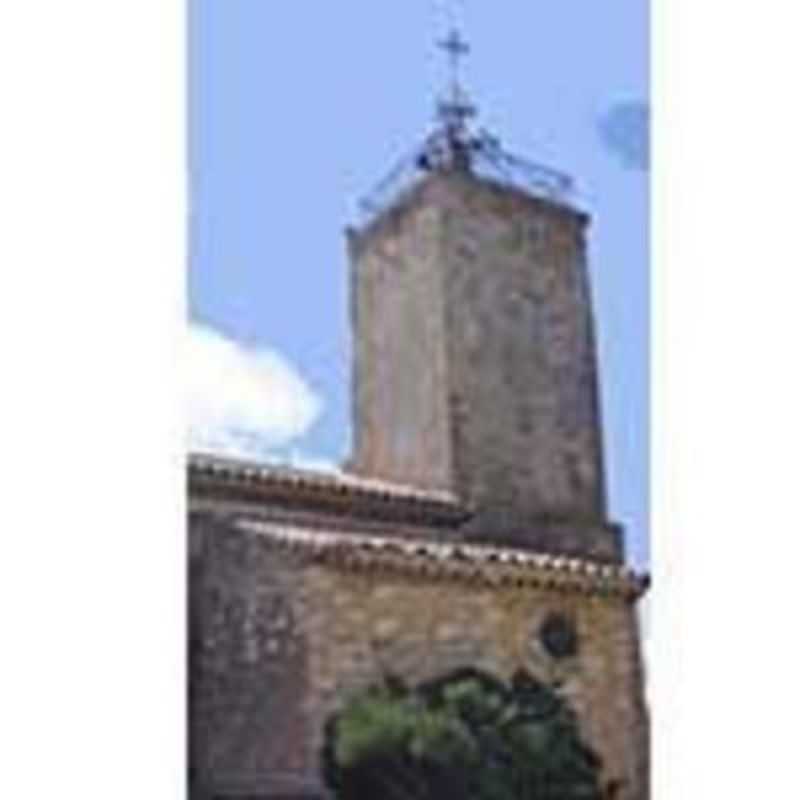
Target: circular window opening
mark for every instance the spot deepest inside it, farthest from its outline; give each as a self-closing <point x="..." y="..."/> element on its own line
<point x="559" y="637"/>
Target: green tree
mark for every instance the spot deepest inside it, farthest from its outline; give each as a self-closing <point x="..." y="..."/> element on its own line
<point x="465" y="736"/>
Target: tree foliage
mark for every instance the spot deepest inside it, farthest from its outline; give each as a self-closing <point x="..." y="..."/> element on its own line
<point x="466" y="736"/>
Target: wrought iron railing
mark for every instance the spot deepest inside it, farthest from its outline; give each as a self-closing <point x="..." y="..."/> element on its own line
<point x="481" y="155"/>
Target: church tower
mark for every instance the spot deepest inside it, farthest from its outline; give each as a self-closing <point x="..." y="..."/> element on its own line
<point x="475" y="368"/>
<point x="466" y="539"/>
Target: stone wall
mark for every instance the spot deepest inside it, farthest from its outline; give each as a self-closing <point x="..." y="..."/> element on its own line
<point x="247" y="666"/>
<point x="520" y="352"/>
<point x="401" y="429"/>
<point x="278" y="642"/>
<point x="365" y="626"/>
<point x="475" y="366"/>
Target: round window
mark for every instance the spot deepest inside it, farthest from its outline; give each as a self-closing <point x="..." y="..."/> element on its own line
<point x="558" y="636"/>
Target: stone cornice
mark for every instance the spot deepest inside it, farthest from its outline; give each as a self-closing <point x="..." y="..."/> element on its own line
<point x="336" y="493"/>
<point x="481" y="564"/>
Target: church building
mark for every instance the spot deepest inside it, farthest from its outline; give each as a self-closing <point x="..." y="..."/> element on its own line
<point x="469" y="526"/>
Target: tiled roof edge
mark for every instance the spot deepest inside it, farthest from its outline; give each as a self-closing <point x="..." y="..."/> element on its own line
<point x="496" y="566"/>
<point x="281" y="485"/>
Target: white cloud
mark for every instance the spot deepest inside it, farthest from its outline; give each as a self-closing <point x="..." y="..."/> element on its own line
<point x="244" y="402"/>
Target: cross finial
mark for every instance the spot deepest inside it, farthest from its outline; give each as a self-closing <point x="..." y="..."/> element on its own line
<point x="457" y="109"/>
<point x="457" y="48"/>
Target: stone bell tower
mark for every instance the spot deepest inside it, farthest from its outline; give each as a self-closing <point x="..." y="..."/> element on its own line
<point x="475" y="362"/>
<point x="477" y="466"/>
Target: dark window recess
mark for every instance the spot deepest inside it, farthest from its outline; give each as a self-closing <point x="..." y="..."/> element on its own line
<point x="559" y="637"/>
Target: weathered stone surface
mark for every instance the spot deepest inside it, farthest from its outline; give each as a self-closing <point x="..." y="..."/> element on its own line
<point x="363" y="627"/>
<point x="247" y="662"/>
<point x="475" y="365"/>
<point x="280" y="641"/>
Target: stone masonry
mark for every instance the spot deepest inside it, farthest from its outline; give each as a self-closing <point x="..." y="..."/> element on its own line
<point x="290" y="616"/>
<point x="471" y="513"/>
<point x="475" y="364"/>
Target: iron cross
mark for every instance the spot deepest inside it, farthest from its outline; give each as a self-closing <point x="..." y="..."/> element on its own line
<point x="457" y="48"/>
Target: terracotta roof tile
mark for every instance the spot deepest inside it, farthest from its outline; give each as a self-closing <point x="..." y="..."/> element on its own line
<point x="470" y="561"/>
<point x="335" y="481"/>
<point x="339" y="493"/>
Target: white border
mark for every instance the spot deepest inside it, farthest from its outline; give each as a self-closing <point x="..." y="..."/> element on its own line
<point x="725" y="434"/>
<point x="93" y="207"/>
<point x="92" y="179"/>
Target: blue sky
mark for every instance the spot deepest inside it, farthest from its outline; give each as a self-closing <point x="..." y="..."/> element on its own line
<point x="298" y="109"/>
